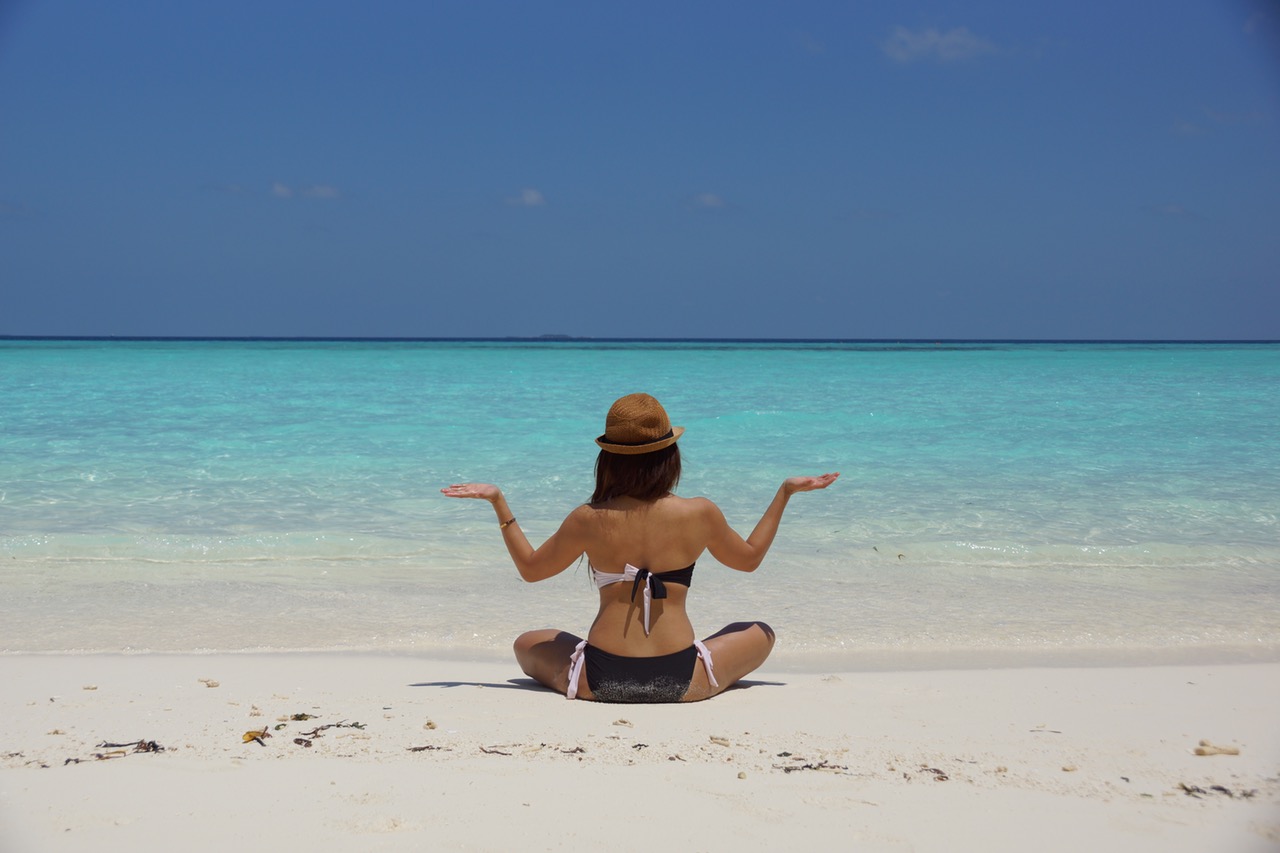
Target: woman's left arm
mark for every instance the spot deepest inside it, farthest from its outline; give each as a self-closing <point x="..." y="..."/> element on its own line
<point x="534" y="564"/>
<point x="745" y="555"/>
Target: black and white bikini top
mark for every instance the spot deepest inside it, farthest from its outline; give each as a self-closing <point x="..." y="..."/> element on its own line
<point x="653" y="585"/>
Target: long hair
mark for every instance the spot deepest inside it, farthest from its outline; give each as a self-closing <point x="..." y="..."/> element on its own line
<point x="644" y="476"/>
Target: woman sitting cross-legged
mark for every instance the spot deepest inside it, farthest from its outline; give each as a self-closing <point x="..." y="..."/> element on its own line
<point x="642" y="542"/>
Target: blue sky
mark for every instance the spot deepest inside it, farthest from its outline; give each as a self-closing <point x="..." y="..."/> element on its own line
<point x="717" y="169"/>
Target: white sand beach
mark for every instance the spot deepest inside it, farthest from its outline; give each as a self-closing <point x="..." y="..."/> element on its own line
<point x="454" y="755"/>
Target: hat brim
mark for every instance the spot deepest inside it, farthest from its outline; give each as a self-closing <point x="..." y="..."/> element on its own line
<point x="637" y="449"/>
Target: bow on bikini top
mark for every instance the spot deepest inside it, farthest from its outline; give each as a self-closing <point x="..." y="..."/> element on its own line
<point x="643" y="580"/>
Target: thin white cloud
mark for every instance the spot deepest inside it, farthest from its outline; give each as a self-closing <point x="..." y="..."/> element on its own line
<point x="1171" y="210"/>
<point x="905" y="45"/>
<point x="317" y="191"/>
<point x="708" y="200"/>
<point x="321" y="191"/>
<point x="528" y="197"/>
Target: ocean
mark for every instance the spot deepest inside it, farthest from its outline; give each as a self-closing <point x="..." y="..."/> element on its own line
<point x="1000" y="503"/>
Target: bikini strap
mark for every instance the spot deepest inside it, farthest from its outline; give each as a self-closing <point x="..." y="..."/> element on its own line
<point x="575" y="669"/>
<point x="643" y="581"/>
<point x="652" y="587"/>
<point x="705" y="654"/>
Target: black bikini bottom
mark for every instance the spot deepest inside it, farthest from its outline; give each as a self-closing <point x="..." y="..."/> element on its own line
<point x="614" y="678"/>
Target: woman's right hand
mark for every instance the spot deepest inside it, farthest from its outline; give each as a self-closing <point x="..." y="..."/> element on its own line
<point x="481" y="491"/>
<point x="809" y="484"/>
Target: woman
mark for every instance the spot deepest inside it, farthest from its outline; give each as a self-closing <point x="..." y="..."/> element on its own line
<point x="641" y="542"/>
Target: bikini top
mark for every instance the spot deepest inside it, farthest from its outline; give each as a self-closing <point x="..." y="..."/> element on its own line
<point x="653" y="586"/>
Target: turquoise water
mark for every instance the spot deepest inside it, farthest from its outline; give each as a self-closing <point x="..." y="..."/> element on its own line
<point x="997" y="499"/>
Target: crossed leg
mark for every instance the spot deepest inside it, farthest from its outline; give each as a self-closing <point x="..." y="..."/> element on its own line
<point x="737" y="649"/>
<point x="544" y="657"/>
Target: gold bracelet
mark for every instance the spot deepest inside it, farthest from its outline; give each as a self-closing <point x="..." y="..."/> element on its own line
<point x="503" y="525"/>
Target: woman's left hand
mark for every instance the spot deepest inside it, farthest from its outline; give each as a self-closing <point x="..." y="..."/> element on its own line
<point x="482" y="491"/>
<point x="809" y="484"/>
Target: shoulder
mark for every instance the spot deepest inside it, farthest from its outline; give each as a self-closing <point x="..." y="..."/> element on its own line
<point x="578" y="528"/>
<point x="581" y="517"/>
<point x="702" y="509"/>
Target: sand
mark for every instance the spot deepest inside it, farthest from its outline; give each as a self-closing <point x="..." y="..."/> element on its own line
<point x="456" y="755"/>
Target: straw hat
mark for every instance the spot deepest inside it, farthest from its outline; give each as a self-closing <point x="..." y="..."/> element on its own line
<point x="636" y="424"/>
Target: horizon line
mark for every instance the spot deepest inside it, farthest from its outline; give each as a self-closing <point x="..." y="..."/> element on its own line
<point x="553" y="339"/>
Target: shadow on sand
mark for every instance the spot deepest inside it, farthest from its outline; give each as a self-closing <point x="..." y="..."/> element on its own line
<point x="509" y="684"/>
<point x="530" y="684"/>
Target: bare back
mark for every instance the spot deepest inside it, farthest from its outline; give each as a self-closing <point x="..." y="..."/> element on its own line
<point x="661" y="536"/>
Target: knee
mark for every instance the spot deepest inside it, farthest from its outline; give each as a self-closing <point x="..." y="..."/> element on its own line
<point x="760" y="629"/>
<point x="532" y="649"/>
<point x="524" y="644"/>
<point x="523" y="648"/>
<point x="768" y="632"/>
<point x="756" y="624"/>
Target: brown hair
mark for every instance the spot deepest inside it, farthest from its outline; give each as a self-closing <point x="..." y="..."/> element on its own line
<point x="645" y="476"/>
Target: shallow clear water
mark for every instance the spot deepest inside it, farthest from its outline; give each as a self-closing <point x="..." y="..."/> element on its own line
<point x="1046" y="499"/>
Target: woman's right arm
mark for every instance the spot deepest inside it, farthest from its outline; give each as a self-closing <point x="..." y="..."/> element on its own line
<point x="534" y="564"/>
<point x="745" y="555"/>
